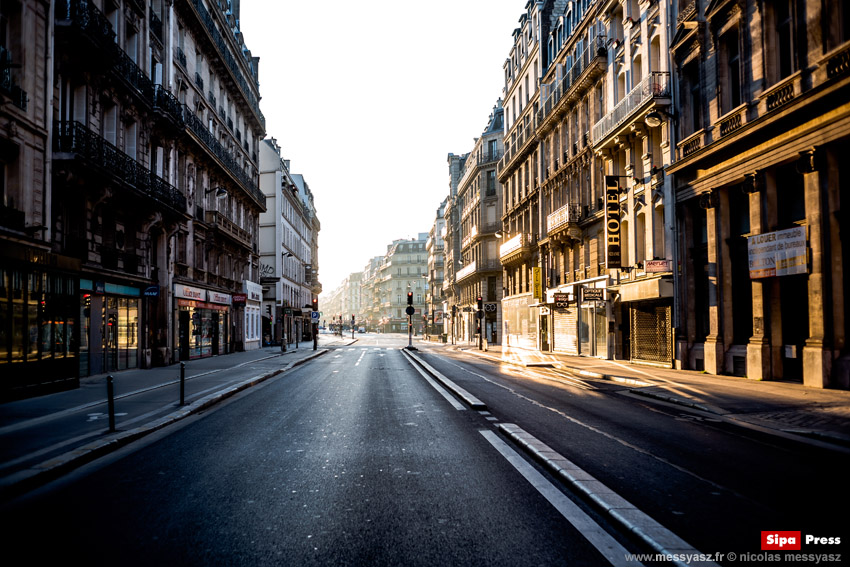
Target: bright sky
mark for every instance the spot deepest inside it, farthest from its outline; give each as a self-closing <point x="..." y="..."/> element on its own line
<point x="368" y="98"/>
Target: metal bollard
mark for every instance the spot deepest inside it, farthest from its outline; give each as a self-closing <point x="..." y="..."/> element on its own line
<point x="110" y="397"/>
<point x="182" y="383"/>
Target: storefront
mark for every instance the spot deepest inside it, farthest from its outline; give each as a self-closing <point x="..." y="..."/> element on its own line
<point x="203" y="322"/>
<point x="39" y="337"/>
<point x="109" y="327"/>
<point x="252" y="317"/>
<point x="579" y="317"/>
<point x="520" y="321"/>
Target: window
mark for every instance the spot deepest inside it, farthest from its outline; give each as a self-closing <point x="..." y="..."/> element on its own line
<point x="691" y="94"/>
<point x="783" y="17"/>
<point x="730" y="80"/>
<point x="110" y="124"/>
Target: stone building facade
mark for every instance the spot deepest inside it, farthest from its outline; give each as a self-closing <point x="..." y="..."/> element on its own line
<point x="131" y="149"/>
<point x="763" y="118"/>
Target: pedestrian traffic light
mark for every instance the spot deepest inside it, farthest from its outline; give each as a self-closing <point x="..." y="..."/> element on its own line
<point x="410" y="298"/>
<point x="480" y="303"/>
<point x="315" y="304"/>
<point x="269" y="311"/>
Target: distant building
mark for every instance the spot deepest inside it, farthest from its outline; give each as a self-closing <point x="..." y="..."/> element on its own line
<point x="288" y="250"/>
<point x="479" y="205"/>
<point x="435" y="298"/>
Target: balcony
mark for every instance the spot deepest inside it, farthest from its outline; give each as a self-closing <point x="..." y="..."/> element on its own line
<point x="219" y="222"/>
<point x="194" y="124"/>
<point x="168" y="105"/>
<point x="519" y="247"/>
<point x="587" y="67"/>
<point x="654" y="86"/>
<point x="227" y="57"/>
<point x="84" y="17"/>
<point x="73" y="141"/>
<point x="8" y="87"/>
<point x="469" y="238"/>
<point x="562" y="225"/>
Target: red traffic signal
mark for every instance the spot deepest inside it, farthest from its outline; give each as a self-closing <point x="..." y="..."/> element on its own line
<point x="480" y="303"/>
<point x="315" y="304"/>
<point x="410" y="298"/>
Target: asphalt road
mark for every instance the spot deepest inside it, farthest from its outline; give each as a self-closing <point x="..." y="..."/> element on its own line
<point x="352" y="459"/>
<point x="716" y="485"/>
<point x="358" y="458"/>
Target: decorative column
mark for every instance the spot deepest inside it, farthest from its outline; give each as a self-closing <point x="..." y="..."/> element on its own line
<point x="817" y="359"/>
<point x="714" y="347"/>
<point x="758" y="348"/>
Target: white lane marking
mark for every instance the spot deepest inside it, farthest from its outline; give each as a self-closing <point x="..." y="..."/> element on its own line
<point x="605" y="434"/>
<point x="455" y="404"/>
<point x="593" y="532"/>
<point x="362" y="354"/>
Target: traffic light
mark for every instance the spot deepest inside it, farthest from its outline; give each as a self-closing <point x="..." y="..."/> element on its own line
<point x="315" y="304"/>
<point x="410" y="298"/>
<point x="269" y="311"/>
<point x="480" y="303"/>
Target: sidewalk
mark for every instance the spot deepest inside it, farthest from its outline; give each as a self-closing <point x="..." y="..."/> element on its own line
<point x="781" y="408"/>
<point x="35" y="450"/>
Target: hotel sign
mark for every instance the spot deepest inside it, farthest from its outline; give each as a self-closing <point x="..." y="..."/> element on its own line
<point x="612" y="220"/>
<point x="778" y="253"/>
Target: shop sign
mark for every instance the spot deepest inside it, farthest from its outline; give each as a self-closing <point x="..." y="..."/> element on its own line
<point x="537" y="281"/>
<point x="561" y="300"/>
<point x="438" y="316"/>
<point x="152" y="291"/>
<point x="239" y="297"/>
<point x="253" y="290"/>
<point x="216" y="297"/>
<point x="593" y="294"/>
<point x="655" y="266"/>
<point x="778" y="253"/>
<point x="188" y="292"/>
<point x="612" y="220"/>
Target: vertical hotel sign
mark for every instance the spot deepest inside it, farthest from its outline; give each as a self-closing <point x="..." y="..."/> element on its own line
<point x="612" y="220"/>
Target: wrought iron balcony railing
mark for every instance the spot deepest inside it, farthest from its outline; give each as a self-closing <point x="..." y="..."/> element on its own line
<point x="75" y="138"/>
<point x="7" y="83"/>
<point x="595" y="50"/>
<point x="654" y="85"/>
<point x="194" y="124"/>
<point x="569" y="213"/>
<point x="228" y="58"/>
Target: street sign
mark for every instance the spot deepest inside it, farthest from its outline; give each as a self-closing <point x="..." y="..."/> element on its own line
<point x="314" y="315"/>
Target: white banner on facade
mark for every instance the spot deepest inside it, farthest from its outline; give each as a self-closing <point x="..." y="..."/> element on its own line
<point x="779" y="253"/>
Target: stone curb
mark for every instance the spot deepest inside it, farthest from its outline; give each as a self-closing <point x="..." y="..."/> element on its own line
<point x="468" y="399"/>
<point x="23" y="481"/>
<point x="612" y="505"/>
